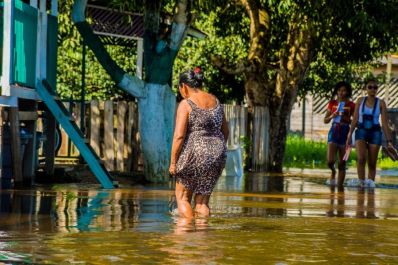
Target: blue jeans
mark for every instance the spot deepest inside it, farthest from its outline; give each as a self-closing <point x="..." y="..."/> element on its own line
<point x="338" y="133"/>
<point x="370" y="136"/>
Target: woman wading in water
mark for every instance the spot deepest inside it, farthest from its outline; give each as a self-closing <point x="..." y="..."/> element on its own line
<point x="199" y="145"/>
<point x="339" y="111"/>
<point x="368" y="136"/>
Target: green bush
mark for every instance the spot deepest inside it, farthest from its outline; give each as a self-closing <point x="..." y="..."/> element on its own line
<point x="303" y="153"/>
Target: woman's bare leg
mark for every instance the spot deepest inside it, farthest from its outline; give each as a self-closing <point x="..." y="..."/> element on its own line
<point x="184" y="197"/>
<point x="332" y="148"/>
<point x="361" y="158"/>
<point x="341" y="176"/>
<point x="373" y="152"/>
<point x="202" y="205"/>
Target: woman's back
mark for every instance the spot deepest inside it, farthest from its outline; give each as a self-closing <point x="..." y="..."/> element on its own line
<point x="206" y="116"/>
<point x="204" y="100"/>
<point x="203" y="153"/>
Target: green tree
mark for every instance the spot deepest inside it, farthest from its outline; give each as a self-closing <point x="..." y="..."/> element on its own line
<point x="156" y="101"/>
<point x="274" y="50"/>
<point x="227" y="87"/>
<point x="69" y="71"/>
<point x="290" y="43"/>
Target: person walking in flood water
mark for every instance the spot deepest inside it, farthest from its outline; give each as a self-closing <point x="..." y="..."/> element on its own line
<point x="368" y="132"/>
<point x="339" y="111"/>
<point x="198" y="153"/>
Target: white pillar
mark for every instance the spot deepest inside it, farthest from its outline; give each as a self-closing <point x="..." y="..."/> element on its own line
<point x="388" y="79"/>
<point x="54" y="8"/>
<point x="8" y="44"/>
<point x="41" y="52"/>
<point x="43" y="6"/>
<point x="33" y="3"/>
<point x="140" y="58"/>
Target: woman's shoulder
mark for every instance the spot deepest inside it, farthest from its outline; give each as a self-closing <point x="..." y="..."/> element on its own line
<point x="185" y="104"/>
<point x="359" y="100"/>
<point x="382" y="102"/>
<point x="210" y="99"/>
<point x="332" y="103"/>
<point x="210" y="96"/>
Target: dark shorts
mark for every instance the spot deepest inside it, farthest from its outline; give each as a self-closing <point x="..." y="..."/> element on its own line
<point x="338" y="133"/>
<point x="370" y="136"/>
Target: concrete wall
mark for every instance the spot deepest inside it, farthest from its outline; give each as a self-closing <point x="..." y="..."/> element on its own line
<point x="314" y="126"/>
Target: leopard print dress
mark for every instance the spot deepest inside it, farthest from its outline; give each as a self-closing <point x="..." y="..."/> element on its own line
<point x="203" y="154"/>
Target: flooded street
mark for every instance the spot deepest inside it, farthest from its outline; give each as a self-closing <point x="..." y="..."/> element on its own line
<point x="290" y="219"/>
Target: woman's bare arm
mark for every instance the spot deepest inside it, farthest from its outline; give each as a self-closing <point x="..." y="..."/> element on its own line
<point x="354" y="121"/>
<point x="180" y="130"/>
<point x="384" y="120"/>
<point x="355" y="118"/>
<point x="329" y="116"/>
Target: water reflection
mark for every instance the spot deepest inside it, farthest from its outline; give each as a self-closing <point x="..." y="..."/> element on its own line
<point x="258" y="183"/>
<point x="71" y="210"/>
<point x="364" y="207"/>
<point x="336" y="195"/>
<point x="186" y="225"/>
<point x="262" y="218"/>
<point x="75" y="211"/>
<point x="366" y="210"/>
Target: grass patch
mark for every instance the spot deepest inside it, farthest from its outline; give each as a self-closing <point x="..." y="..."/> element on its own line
<point x="304" y="153"/>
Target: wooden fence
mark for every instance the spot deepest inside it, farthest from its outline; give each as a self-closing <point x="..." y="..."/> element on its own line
<point x="112" y="130"/>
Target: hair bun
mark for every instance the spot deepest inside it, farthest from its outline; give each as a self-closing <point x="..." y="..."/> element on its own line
<point x="198" y="74"/>
<point x="197" y="70"/>
<point x="192" y="77"/>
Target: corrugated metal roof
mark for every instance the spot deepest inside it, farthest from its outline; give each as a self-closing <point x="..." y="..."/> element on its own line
<point x="320" y="103"/>
<point x="116" y="27"/>
<point x="123" y="28"/>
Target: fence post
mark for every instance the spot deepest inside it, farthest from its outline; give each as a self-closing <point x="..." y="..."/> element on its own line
<point x="132" y="130"/>
<point x="1" y="144"/>
<point x="121" y="115"/>
<point x="108" y="136"/>
<point x="15" y="146"/>
<point x="95" y="123"/>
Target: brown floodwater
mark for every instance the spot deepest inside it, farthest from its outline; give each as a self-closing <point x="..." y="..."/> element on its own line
<point x="258" y="219"/>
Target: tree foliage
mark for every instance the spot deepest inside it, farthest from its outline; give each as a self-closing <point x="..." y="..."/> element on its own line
<point x="69" y="72"/>
<point x="346" y="36"/>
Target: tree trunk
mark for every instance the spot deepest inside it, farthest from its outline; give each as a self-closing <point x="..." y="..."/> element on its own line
<point x="279" y="110"/>
<point x="278" y="132"/>
<point x="156" y="112"/>
<point x="156" y="101"/>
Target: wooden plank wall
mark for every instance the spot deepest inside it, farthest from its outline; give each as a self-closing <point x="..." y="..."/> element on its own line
<point x="112" y="130"/>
